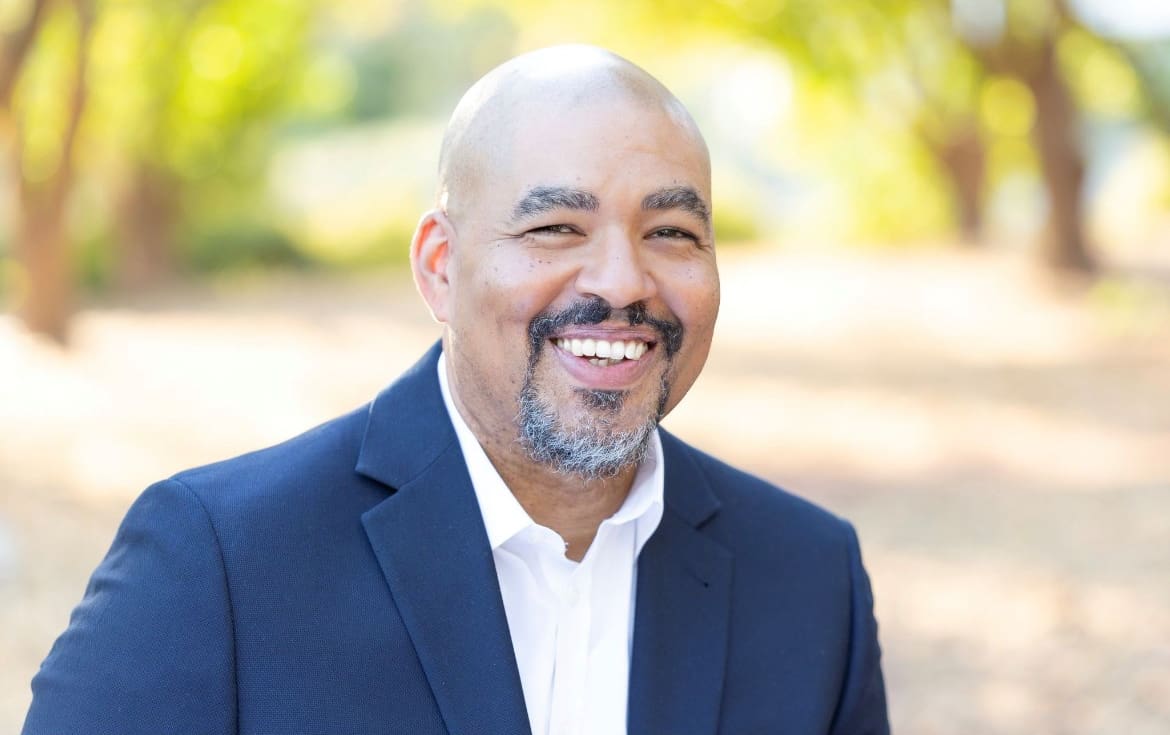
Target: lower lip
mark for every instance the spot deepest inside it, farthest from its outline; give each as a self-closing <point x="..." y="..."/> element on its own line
<point x="615" y="377"/>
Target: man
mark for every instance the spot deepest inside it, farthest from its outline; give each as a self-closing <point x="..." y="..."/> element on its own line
<point x="502" y="541"/>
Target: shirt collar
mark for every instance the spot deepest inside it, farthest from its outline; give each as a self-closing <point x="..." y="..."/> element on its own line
<point x="504" y="517"/>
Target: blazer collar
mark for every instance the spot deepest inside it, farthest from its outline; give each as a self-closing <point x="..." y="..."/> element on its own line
<point x="407" y="428"/>
<point x="683" y="609"/>
<point x="687" y="491"/>
<point x="430" y="542"/>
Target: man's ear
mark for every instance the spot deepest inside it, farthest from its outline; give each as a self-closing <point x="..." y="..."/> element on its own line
<point x="430" y="256"/>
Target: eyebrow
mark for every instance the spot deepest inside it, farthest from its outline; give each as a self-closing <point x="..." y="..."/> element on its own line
<point x="547" y="198"/>
<point x="679" y="197"/>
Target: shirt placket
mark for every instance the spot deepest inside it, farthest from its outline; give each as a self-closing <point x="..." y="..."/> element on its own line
<point x="571" y="668"/>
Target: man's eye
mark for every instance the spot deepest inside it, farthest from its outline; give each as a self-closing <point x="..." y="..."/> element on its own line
<point x="553" y="230"/>
<point x="673" y="233"/>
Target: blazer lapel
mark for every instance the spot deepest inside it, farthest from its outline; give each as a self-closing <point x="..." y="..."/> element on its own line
<point x="430" y="541"/>
<point x="683" y="604"/>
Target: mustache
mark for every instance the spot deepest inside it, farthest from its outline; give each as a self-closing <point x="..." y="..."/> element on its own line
<point x="595" y="310"/>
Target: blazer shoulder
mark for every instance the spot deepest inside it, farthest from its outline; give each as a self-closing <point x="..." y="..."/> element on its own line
<point x="312" y="462"/>
<point x="752" y="503"/>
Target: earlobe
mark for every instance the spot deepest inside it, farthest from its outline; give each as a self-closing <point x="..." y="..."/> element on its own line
<point x="430" y="252"/>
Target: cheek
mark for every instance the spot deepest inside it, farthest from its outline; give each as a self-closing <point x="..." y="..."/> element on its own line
<point x="694" y="298"/>
<point x="695" y="301"/>
<point x="500" y="293"/>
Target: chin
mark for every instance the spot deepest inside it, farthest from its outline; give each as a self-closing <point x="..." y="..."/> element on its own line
<point x="593" y="434"/>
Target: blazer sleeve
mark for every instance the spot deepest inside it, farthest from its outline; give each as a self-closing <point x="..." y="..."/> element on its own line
<point x="150" y="648"/>
<point x="862" y="708"/>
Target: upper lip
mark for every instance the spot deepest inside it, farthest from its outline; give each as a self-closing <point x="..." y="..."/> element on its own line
<point x="609" y="334"/>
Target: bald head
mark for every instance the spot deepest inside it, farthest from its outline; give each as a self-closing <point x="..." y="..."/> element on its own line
<point x="559" y="80"/>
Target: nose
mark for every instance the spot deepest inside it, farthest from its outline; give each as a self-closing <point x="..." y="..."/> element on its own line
<point x="617" y="271"/>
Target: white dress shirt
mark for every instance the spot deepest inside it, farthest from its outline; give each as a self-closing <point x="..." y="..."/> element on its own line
<point x="572" y="623"/>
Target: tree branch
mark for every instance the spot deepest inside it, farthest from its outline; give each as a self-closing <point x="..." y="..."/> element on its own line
<point x="14" y="51"/>
<point x="78" y="95"/>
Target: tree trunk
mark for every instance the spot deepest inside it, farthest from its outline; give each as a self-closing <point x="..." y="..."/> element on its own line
<point x="146" y="224"/>
<point x="963" y="159"/>
<point x="42" y="238"/>
<point x="1061" y="162"/>
<point x="43" y="249"/>
<point x="15" y="50"/>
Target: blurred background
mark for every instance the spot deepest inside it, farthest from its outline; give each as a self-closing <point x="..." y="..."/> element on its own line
<point x="944" y="232"/>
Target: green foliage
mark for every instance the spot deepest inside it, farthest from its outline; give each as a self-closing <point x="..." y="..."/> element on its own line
<point x="1102" y="79"/>
<point x="241" y="243"/>
<point x="1006" y="107"/>
<point x="734" y="225"/>
<point x="388" y="244"/>
<point x="903" y="194"/>
<point x="184" y="96"/>
<point x="416" y="67"/>
<point x="42" y="99"/>
<point x="94" y="262"/>
<point x="201" y="98"/>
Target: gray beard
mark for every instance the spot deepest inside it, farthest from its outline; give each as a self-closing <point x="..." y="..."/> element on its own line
<point x="593" y="450"/>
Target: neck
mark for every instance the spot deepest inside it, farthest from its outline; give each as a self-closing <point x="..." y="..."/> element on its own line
<point x="571" y="506"/>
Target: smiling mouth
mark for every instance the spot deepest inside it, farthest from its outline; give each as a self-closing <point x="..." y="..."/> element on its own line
<point x="603" y="353"/>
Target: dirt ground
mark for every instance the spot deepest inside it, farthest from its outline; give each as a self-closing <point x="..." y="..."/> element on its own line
<point x="1003" y="447"/>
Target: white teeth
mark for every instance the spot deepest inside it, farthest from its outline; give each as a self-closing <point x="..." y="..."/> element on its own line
<point x="603" y="352"/>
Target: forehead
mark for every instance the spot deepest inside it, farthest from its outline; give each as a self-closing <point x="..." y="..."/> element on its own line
<point x="602" y="145"/>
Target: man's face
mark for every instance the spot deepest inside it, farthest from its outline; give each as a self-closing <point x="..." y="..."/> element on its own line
<point x="583" y="285"/>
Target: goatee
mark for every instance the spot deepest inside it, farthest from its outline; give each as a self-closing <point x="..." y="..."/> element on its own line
<point x="593" y="449"/>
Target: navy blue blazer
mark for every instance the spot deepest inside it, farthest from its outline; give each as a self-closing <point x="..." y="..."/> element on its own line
<point x="342" y="582"/>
